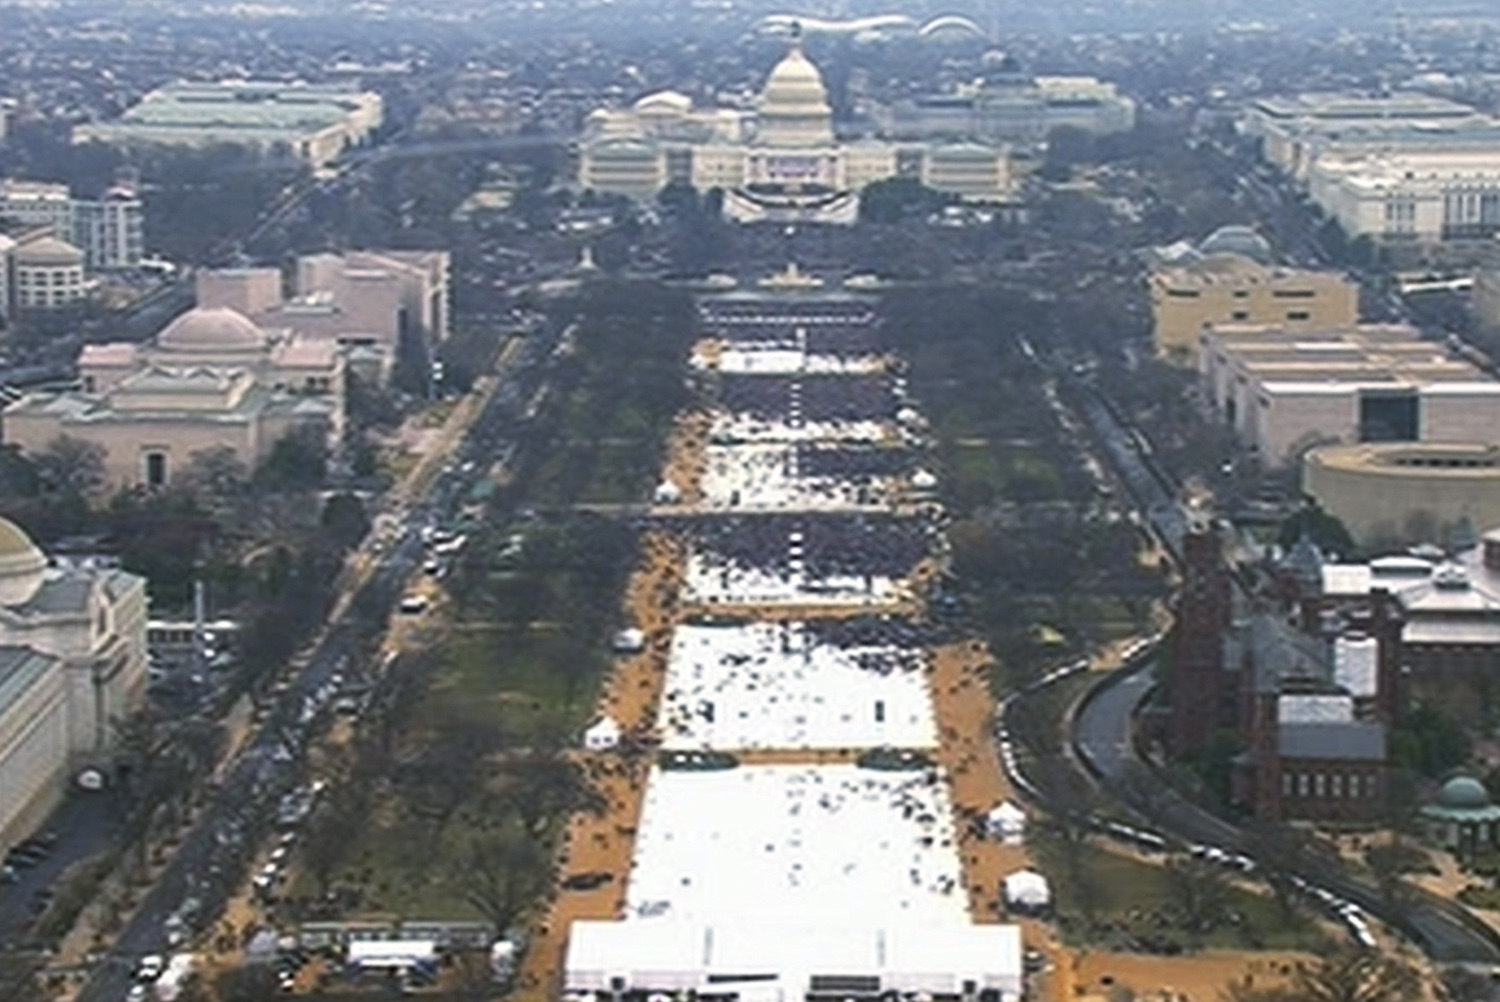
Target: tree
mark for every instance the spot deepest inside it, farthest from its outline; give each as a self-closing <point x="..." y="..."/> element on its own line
<point x="449" y="772"/>
<point x="71" y="468"/>
<point x="1067" y="147"/>
<point x="545" y="786"/>
<point x="1429" y="742"/>
<point x="1346" y="977"/>
<point x="334" y="828"/>
<point x="1199" y="894"/>
<point x="18" y="474"/>
<point x="345" y="519"/>
<point x="214" y="474"/>
<point x="298" y="460"/>
<point x="1280" y="850"/>
<point x="1323" y="529"/>
<point x="254" y="983"/>
<point x="898" y="198"/>
<point x="501" y="875"/>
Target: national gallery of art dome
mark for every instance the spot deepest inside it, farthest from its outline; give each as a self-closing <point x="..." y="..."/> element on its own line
<point x="780" y="162"/>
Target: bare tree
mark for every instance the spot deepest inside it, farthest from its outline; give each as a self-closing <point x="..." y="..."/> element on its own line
<point x="1199" y="894"/>
<point x="501" y="875"/>
<point x="545" y="786"/>
<point x="449" y="772"/>
<point x="215" y="475"/>
<point x="71" y="467"/>
<point x="1345" y="977"/>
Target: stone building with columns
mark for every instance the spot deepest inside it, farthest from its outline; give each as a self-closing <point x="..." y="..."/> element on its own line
<point x="72" y="663"/>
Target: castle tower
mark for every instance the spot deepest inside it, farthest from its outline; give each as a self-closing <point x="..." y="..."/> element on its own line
<point x="1199" y="682"/>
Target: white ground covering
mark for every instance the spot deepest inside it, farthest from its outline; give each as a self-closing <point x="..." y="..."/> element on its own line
<point x="818" y="846"/>
<point x="769" y="685"/>
<point x="731" y="428"/>
<point x="750" y="477"/>
<point x="713" y="580"/>
<point x="771" y="360"/>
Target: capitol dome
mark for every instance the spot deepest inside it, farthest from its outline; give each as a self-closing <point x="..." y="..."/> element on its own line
<point x="219" y="329"/>
<point x="21" y="564"/>
<point x="794" y="108"/>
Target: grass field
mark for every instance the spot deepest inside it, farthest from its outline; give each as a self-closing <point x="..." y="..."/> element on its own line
<point x="1136" y="906"/>
<point x="612" y="472"/>
<point x="519" y="682"/>
<point x="980" y="472"/>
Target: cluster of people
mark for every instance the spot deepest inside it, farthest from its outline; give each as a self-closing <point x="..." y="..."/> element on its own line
<point x="773" y="685"/>
<point x="827" y="546"/>
<point x="876" y="631"/>
<point x="818" y="398"/>
<point x="853" y="463"/>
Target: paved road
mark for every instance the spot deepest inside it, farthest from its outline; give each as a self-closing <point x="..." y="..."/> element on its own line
<point x="85" y="824"/>
<point x="1102" y="738"/>
<point x="213" y="858"/>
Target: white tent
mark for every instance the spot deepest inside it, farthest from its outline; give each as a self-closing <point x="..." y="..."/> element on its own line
<point x="602" y="736"/>
<point x="1027" y="890"/>
<point x="397" y="954"/>
<point x="666" y="493"/>
<point x="630" y="641"/>
<point x="1006" y="822"/>
<point x="923" y="480"/>
<point x="503" y="959"/>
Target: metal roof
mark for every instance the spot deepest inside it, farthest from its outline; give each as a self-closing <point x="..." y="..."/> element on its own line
<point x="1352" y="740"/>
<point x="20" y="669"/>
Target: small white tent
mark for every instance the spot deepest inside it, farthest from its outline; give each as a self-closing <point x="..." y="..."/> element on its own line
<point x="922" y="480"/>
<point x="666" y="493"/>
<point x="1027" y="890"/>
<point x="1006" y="822"/>
<point x="629" y="641"/>
<point x="602" y="736"/>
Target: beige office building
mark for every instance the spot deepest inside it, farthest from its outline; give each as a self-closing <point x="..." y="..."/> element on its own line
<point x="1298" y="130"/>
<point x="1284" y="391"/>
<point x="372" y="304"/>
<point x="72" y="663"/>
<point x="1233" y="289"/>
<point x="312" y="122"/>
<point x="1401" y="493"/>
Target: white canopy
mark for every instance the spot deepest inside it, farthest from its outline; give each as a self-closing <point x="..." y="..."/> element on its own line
<point x="392" y="953"/>
<point x="602" y="736"/>
<point x="629" y="640"/>
<point x="665" y="955"/>
<point x="1027" y="889"/>
<point x="1005" y="821"/>
<point x="667" y="493"/>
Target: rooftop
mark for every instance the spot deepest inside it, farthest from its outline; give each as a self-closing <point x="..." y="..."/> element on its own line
<point x="1346" y="740"/>
<point x="20" y="669"/>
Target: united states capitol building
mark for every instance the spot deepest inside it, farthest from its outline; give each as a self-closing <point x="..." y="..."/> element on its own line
<point x="780" y="162"/>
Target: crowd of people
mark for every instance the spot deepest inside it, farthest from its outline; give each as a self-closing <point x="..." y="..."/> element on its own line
<point x="853" y="463"/>
<point x="834" y="545"/>
<point x="815" y="398"/>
